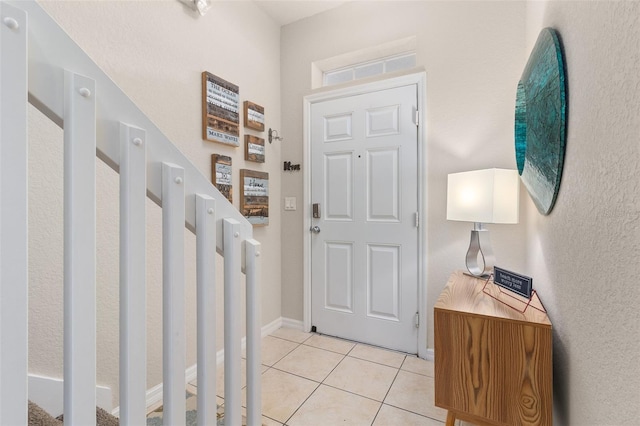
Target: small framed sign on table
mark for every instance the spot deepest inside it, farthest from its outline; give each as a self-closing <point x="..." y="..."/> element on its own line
<point x="517" y="284"/>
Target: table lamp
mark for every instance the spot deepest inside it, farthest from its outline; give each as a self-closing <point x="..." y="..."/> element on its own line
<point x="483" y="196"/>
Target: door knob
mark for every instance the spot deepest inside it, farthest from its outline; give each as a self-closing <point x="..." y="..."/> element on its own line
<point x="315" y="229"/>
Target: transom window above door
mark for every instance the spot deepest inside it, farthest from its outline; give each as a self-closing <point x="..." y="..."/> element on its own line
<point x="369" y="69"/>
<point x="376" y="60"/>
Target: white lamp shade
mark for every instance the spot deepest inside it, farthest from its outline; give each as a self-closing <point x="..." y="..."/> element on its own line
<point x="484" y="196"/>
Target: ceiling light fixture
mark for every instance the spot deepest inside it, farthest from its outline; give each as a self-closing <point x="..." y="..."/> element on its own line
<point x="200" y="6"/>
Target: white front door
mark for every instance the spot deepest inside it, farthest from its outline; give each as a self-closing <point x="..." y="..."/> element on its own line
<point x="364" y="248"/>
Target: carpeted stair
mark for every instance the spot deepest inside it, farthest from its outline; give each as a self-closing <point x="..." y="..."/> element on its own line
<point x="39" y="417"/>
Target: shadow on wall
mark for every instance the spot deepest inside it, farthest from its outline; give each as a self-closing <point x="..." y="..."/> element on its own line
<point x="537" y="16"/>
<point x="561" y="386"/>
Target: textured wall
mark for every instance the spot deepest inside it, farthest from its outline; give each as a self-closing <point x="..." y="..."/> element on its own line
<point x="584" y="256"/>
<point x="472" y="53"/>
<point x="155" y="51"/>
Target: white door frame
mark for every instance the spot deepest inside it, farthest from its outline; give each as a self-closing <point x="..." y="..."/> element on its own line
<point x="418" y="79"/>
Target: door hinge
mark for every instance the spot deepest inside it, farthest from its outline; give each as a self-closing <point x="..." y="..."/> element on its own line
<point x="417" y="120"/>
<point x="417" y="219"/>
<point x="417" y="320"/>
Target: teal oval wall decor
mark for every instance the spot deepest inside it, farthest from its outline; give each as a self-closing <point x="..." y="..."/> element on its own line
<point x="541" y="121"/>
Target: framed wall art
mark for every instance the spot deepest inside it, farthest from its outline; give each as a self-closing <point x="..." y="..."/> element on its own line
<point x="253" y="149"/>
<point x="254" y="197"/>
<point x="220" y="110"/>
<point x="221" y="175"/>
<point x="541" y="121"/>
<point x="253" y="116"/>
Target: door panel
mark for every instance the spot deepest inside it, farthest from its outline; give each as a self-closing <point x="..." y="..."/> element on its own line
<point x="337" y="128"/>
<point x="364" y="260"/>
<point x="339" y="276"/>
<point x="383" y="121"/>
<point x="383" y="282"/>
<point x="338" y="186"/>
<point x="383" y="185"/>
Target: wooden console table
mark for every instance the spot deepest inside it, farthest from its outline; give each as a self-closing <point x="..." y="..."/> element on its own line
<point x="493" y="364"/>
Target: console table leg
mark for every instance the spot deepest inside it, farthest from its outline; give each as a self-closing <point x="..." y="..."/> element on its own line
<point x="451" y="418"/>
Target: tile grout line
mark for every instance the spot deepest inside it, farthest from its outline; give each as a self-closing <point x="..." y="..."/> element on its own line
<point x="405" y="409"/>
<point x="350" y="354"/>
<point x="374" y="362"/>
<point x="388" y="390"/>
<point x="344" y="356"/>
<point x="292" y="341"/>
<point x="413" y="412"/>
<point x="319" y="384"/>
<point x="302" y="403"/>
<point x="283" y="356"/>
<point x="277" y="369"/>
<point x="333" y="387"/>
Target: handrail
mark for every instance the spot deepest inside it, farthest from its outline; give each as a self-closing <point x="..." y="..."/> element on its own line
<point x="51" y="51"/>
<point x="99" y="119"/>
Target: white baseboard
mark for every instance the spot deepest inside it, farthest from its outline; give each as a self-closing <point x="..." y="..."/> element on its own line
<point x="48" y="393"/>
<point x="291" y="323"/>
<point x="154" y="395"/>
<point x="272" y="326"/>
<point x="431" y="355"/>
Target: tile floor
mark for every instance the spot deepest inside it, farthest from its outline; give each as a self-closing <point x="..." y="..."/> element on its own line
<point x="309" y="379"/>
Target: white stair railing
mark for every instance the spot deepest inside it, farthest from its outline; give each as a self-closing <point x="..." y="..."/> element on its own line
<point x="98" y="118"/>
<point x="133" y="305"/>
<point x="13" y="217"/>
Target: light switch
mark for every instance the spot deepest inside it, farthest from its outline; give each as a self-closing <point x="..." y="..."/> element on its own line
<point x="290" y="203"/>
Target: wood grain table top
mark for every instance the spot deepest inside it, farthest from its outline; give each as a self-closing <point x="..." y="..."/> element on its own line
<point x="464" y="293"/>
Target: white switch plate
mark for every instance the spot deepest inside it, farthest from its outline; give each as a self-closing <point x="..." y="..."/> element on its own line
<point x="290" y="203"/>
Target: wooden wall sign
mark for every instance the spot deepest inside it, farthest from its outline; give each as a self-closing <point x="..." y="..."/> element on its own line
<point x="220" y="110"/>
<point x="253" y="149"/>
<point x="253" y="116"/>
<point x="221" y="175"/>
<point x="254" y="197"/>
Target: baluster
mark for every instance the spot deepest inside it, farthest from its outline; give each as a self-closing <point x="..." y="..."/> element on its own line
<point x="254" y="333"/>
<point x="232" y="326"/>
<point x="173" y="295"/>
<point x="206" y="284"/>
<point x="13" y="216"/>
<point x="79" y="250"/>
<point x="133" y="343"/>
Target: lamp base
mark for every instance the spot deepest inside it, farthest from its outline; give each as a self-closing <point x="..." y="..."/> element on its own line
<point x="480" y="258"/>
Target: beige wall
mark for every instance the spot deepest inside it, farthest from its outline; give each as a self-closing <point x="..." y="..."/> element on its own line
<point x="584" y="256"/>
<point x="155" y="51"/>
<point x="473" y="54"/>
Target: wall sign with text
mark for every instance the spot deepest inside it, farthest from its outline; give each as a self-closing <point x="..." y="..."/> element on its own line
<point x="220" y="110"/>
<point x="253" y="116"/>
<point x="254" y="198"/>
<point x="221" y="175"/>
<point x="253" y="149"/>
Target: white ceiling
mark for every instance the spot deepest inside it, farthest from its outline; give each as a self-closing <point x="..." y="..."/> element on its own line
<point x="288" y="11"/>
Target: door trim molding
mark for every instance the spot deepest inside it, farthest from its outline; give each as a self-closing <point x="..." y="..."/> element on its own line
<point x="420" y="80"/>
